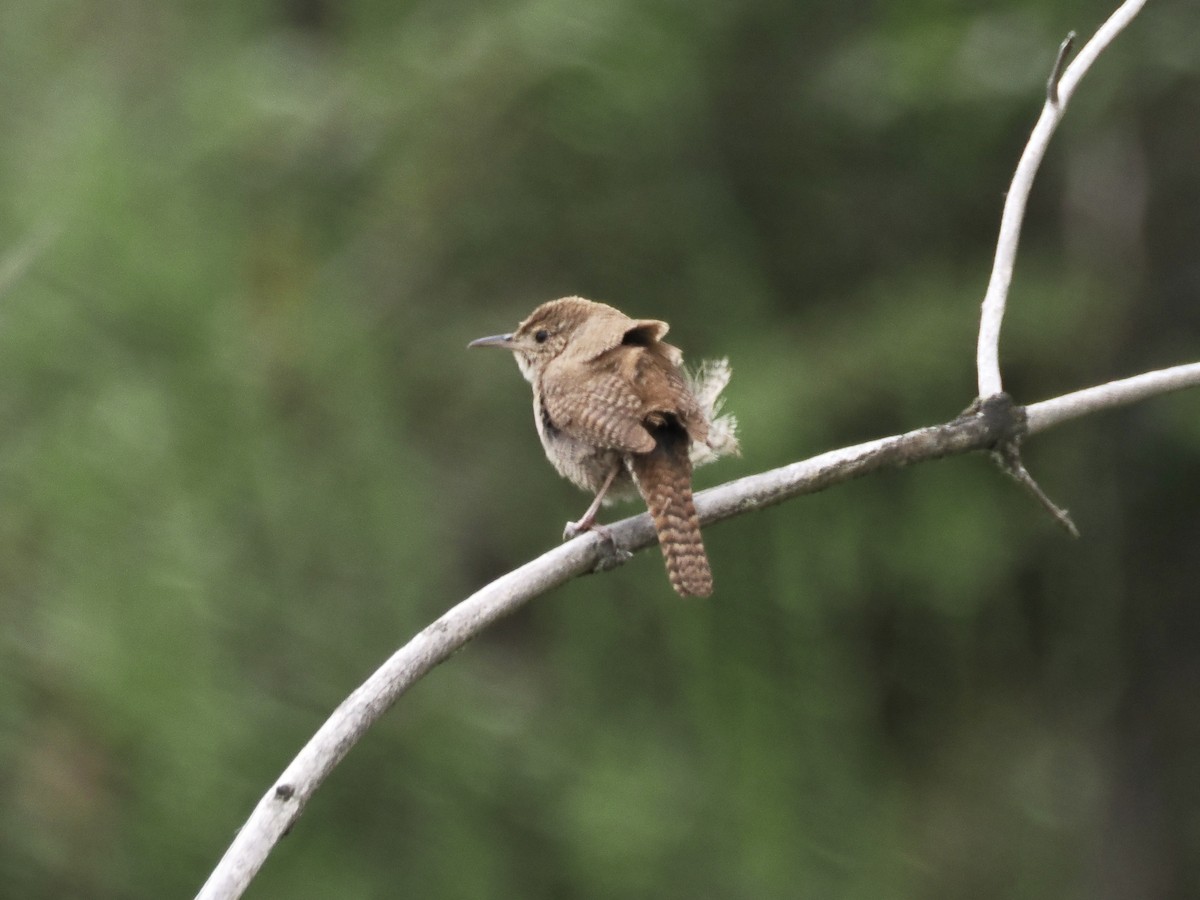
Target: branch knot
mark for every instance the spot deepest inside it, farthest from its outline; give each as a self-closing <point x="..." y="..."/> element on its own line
<point x="1009" y="423"/>
<point x="1002" y="419"/>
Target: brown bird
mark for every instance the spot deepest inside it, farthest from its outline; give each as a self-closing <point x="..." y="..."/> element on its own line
<point x="615" y="409"/>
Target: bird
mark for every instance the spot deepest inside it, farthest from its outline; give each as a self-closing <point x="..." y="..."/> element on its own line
<point x="618" y="414"/>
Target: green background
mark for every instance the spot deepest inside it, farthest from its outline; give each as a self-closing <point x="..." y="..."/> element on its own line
<point x="244" y="454"/>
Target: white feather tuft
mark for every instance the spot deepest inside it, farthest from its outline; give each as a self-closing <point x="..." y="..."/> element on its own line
<point x="707" y="382"/>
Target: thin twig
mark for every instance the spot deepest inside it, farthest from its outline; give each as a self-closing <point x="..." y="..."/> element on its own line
<point x="1008" y="458"/>
<point x="987" y="358"/>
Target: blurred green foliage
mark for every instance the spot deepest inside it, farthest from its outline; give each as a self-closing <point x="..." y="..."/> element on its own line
<point x="244" y="454"/>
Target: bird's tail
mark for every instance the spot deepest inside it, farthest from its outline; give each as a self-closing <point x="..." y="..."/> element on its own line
<point x="664" y="477"/>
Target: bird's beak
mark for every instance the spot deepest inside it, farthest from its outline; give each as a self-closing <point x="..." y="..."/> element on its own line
<point x="503" y="341"/>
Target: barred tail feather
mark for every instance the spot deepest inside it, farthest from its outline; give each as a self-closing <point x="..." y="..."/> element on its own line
<point x="664" y="477"/>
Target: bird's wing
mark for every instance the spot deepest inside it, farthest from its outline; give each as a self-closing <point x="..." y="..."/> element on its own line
<point x="599" y="407"/>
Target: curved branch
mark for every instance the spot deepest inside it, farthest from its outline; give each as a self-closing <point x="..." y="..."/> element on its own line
<point x="286" y="799"/>
<point x="980" y="428"/>
<point x="1059" y="91"/>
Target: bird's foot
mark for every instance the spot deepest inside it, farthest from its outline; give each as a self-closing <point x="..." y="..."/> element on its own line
<point x="611" y="553"/>
<point x="575" y="529"/>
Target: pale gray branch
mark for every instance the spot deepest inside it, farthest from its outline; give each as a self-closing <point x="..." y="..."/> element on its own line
<point x="987" y="359"/>
<point x="1049" y="413"/>
<point x="978" y="429"/>
<point x="283" y="803"/>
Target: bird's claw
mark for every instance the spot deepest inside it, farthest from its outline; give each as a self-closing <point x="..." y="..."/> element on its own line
<point x="611" y="555"/>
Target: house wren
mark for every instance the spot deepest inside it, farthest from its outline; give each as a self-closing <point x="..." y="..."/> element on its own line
<point x="616" y="410"/>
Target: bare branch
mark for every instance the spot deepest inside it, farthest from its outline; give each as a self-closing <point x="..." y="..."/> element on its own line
<point x="985" y="426"/>
<point x="284" y="802"/>
<point x="1058" y="95"/>
<point x="1049" y="413"/>
<point x="286" y="799"/>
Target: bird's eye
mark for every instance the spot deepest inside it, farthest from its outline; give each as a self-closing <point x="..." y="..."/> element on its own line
<point x="541" y="335"/>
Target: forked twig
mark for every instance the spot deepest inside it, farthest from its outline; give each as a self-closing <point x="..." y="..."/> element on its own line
<point x="1059" y="88"/>
<point x="1059" y="91"/>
